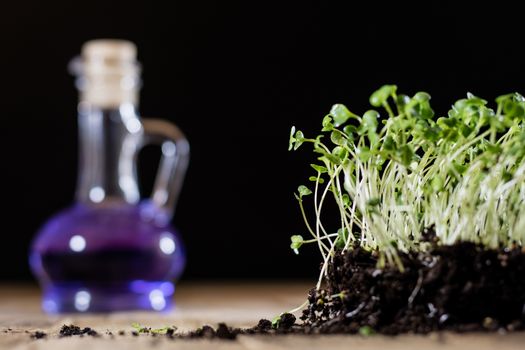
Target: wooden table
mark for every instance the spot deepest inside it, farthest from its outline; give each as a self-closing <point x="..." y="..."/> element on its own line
<point x="209" y="303"/>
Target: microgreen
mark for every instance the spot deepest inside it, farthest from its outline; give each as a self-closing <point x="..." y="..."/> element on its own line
<point x="366" y="331"/>
<point x="142" y="329"/>
<point x="394" y="174"/>
<point x="139" y="328"/>
<point x="275" y="321"/>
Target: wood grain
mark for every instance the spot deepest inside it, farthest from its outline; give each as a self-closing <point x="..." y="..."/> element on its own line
<point x="209" y="303"/>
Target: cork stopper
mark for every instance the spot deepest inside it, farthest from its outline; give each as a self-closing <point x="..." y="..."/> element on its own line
<point x="108" y="73"/>
<point x="109" y="52"/>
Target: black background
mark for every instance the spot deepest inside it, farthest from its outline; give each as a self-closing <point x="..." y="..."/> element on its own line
<point x="235" y="76"/>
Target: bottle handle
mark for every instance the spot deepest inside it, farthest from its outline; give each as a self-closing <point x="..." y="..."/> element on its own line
<point x="173" y="163"/>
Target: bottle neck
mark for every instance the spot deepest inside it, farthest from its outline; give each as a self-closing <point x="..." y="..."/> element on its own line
<point x="108" y="80"/>
<point x="109" y="138"/>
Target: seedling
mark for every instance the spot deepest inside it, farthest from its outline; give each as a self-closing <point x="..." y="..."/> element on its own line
<point x="396" y="171"/>
<point x="142" y="329"/>
<point x="366" y="331"/>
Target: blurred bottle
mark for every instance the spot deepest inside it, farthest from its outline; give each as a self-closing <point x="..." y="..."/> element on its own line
<point x="111" y="250"/>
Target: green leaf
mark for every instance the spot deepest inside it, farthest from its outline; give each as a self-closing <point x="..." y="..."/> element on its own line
<point x="363" y="153"/>
<point x="465" y="130"/>
<point x="299" y="139"/>
<point x="447" y="123"/>
<point x="346" y="200"/>
<point x="327" y="120"/>
<point x="401" y="101"/>
<point x="303" y="191"/>
<point x="327" y="123"/>
<point x="139" y="328"/>
<point x="328" y="157"/>
<point x="276" y="321"/>
<point x="373" y="202"/>
<point x="474" y="100"/>
<point x="507" y="176"/>
<point x="437" y="183"/>
<point x="316" y="179"/>
<point x="432" y="134"/>
<point x="406" y="154"/>
<point x="337" y="138"/>
<point x="296" y="139"/>
<point x="501" y="99"/>
<point x="349" y="130"/>
<point x="379" y="97"/>
<point x="163" y="330"/>
<point x="297" y="242"/>
<point x="341" y="114"/>
<point x="319" y="168"/>
<point x="389" y="144"/>
<point x="460" y="105"/>
<point x="425" y="111"/>
<point x="297" y="239"/>
<point x="342" y="237"/>
<point x="513" y="109"/>
<point x="366" y="331"/>
<point x="340" y="153"/>
<point x="518" y="97"/>
<point x="373" y="138"/>
<point x="422" y="96"/>
<point x="369" y="122"/>
<point x="292" y="138"/>
<point x="459" y="168"/>
<point x="318" y="144"/>
<point x="492" y="148"/>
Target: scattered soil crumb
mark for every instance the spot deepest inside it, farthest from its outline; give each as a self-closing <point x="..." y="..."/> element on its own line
<point x="38" y="335"/>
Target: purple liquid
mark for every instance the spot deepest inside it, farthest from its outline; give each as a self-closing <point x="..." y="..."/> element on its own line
<point x="107" y="258"/>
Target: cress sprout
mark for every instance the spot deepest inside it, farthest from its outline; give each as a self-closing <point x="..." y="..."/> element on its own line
<point x="392" y="175"/>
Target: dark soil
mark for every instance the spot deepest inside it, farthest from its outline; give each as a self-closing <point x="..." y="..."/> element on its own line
<point x="223" y="331"/>
<point x="38" y="335"/>
<point x="71" y="330"/>
<point x="463" y="287"/>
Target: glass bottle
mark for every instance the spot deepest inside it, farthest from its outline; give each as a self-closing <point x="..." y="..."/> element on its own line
<point x="111" y="250"/>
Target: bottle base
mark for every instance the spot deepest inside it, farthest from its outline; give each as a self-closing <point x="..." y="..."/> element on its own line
<point x="71" y="297"/>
